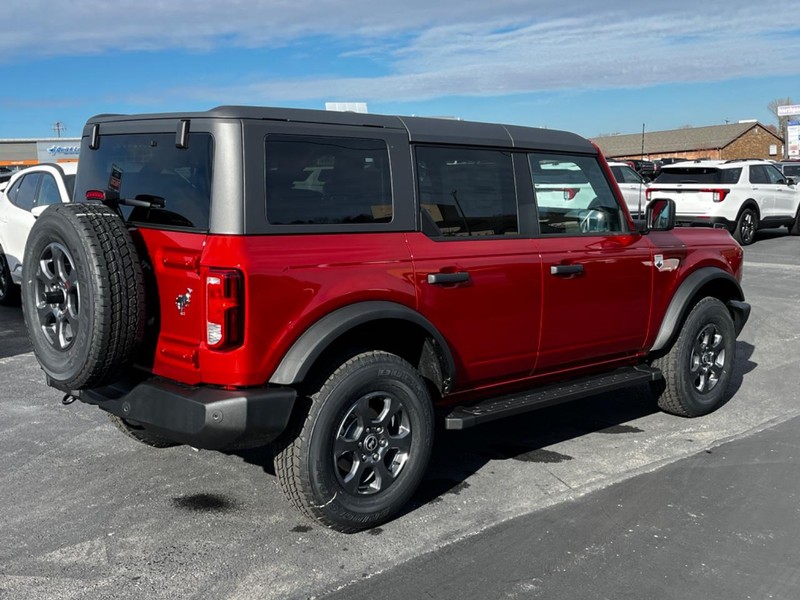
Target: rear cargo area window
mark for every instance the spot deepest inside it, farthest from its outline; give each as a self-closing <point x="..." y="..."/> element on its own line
<point x="151" y="167"/>
<point x="699" y="175"/>
<point x="467" y="192"/>
<point x="318" y="180"/>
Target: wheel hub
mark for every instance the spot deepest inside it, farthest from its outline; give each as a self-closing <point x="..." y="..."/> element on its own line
<point x="372" y="445"/>
<point x="57" y="293"/>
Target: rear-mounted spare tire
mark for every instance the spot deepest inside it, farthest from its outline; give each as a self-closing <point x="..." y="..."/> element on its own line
<point x="82" y="295"/>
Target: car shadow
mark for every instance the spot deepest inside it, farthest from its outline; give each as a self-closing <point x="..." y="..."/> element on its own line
<point x="457" y="455"/>
<point x="13" y="337"/>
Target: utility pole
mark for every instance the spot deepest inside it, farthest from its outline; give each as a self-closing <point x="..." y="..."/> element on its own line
<point x="58" y="127"/>
<point x="642" y="141"/>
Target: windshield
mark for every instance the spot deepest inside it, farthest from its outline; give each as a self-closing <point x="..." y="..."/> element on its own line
<point x="698" y="175"/>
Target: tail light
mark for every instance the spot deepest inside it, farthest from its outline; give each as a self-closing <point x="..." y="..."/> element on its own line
<point x="717" y="194"/>
<point x="569" y="193"/>
<point x="224" y="310"/>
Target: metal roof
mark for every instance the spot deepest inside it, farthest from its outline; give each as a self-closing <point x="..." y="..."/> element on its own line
<point x="687" y="139"/>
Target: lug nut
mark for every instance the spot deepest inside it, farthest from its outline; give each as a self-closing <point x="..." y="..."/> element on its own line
<point x="375" y="456"/>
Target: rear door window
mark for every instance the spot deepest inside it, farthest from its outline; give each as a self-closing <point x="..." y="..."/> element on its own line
<point x="24" y="195"/>
<point x="467" y="192"/>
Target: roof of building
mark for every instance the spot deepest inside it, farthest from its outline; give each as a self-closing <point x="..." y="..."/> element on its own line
<point x="676" y="140"/>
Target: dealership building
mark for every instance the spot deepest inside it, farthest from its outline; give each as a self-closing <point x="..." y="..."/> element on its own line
<point x="24" y="152"/>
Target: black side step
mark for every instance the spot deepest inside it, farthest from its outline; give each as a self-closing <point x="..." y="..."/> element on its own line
<point x="463" y="417"/>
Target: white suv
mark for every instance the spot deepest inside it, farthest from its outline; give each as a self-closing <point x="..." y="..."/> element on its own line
<point x="633" y="187"/>
<point x="24" y="197"/>
<point x="741" y="195"/>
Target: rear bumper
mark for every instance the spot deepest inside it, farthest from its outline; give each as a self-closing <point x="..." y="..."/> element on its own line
<point x="202" y="417"/>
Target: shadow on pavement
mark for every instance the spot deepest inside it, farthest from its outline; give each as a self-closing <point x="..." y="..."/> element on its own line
<point x="13" y="337"/>
<point x="457" y="455"/>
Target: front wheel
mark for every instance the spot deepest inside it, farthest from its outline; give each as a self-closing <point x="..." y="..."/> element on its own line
<point x="359" y="454"/>
<point x="746" y="225"/>
<point x="698" y="367"/>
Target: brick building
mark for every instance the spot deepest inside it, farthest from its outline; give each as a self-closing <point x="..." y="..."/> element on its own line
<point x="719" y="142"/>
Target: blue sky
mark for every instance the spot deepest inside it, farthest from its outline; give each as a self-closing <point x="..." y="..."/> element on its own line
<point x="588" y="66"/>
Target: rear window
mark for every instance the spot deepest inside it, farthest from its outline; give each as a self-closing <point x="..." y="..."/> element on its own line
<point x="318" y="180"/>
<point x="791" y="170"/>
<point x="148" y="165"/>
<point x="698" y="175"/>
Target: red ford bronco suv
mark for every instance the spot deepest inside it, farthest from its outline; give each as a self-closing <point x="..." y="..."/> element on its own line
<point x="331" y="283"/>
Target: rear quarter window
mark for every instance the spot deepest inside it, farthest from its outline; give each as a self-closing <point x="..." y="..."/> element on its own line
<point x="320" y="180"/>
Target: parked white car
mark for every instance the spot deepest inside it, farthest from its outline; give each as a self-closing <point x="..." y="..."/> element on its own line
<point x="741" y="195"/>
<point x="633" y="187"/>
<point x="22" y="200"/>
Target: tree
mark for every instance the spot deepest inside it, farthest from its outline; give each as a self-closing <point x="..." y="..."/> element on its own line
<point x="782" y="121"/>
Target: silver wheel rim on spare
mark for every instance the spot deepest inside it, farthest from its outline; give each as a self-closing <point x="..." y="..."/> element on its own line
<point x="57" y="297"/>
<point x="372" y="444"/>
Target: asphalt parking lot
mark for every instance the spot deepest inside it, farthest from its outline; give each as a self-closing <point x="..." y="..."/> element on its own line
<point x="89" y="513"/>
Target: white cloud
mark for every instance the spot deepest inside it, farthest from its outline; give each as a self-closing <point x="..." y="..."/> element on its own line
<point x="431" y="49"/>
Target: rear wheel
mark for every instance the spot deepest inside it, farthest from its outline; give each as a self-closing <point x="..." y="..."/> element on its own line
<point x="698" y="367"/>
<point x="9" y="291"/>
<point x="746" y="225"/>
<point x="357" y="456"/>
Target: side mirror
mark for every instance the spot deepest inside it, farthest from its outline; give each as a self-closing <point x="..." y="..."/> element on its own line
<point x="660" y="215"/>
<point x="790" y="181"/>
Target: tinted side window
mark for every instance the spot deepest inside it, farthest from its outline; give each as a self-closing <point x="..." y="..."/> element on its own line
<point x="774" y="174"/>
<point x="148" y="165"/>
<point x="758" y="174"/>
<point x="48" y="192"/>
<point x="467" y="191"/>
<point x="573" y="196"/>
<point x="26" y="193"/>
<point x="313" y="180"/>
<point x="626" y="175"/>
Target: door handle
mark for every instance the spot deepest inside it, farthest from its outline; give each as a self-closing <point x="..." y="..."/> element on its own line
<point x="448" y="278"/>
<point x="566" y="269"/>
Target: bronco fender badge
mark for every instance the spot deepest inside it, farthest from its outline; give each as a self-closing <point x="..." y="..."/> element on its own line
<point x="667" y="265"/>
<point x="183" y="301"/>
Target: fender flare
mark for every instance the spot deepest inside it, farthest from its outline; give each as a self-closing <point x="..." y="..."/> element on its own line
<point x="296" y="363"/>
<point x="680" y="304"/>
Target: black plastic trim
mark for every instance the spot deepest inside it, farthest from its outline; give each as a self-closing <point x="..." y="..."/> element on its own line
<point x="202" y="417"/>
<point x="679" y="305"/>
<point x="463" y="417"/>
<point x="310" y="345"/>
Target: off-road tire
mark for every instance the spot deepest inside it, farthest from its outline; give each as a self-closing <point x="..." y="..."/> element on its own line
<point x="698" y="367"/>
<point x="319" y="462"/>
<point x="140" y="434"/>
<point x="82" y="294"/>
<point x="9" y="291"/>
<point x="746" y="226"/>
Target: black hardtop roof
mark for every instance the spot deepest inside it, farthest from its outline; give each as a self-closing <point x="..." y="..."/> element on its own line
<point x="419" y="129"/>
